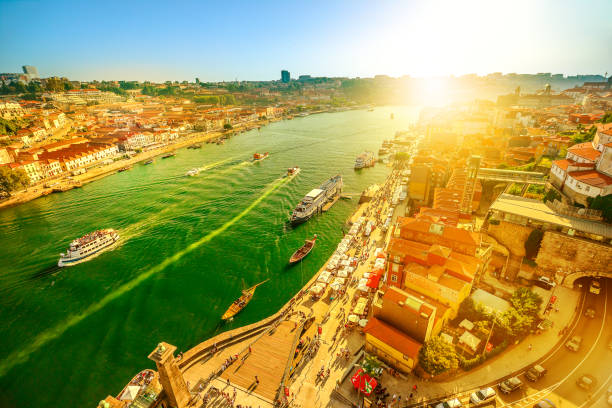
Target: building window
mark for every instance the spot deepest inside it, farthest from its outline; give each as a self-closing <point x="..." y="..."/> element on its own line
<point x="588" y="188"/>
<point x="394" y="278"/>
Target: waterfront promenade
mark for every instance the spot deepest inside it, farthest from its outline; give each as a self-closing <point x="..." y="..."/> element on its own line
<point x="211" y="379"/>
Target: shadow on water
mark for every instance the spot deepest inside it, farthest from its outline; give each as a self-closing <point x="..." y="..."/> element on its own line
<point x="45" y="272"/>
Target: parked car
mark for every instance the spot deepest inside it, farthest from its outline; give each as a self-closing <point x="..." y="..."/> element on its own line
<point x="590" y="312"/>
<point x="452" y="403"/>
<point x="545" y="282"/>
<point x="595" y="287"/>
<point x="574" y="343"/>
<point x="545" y="403"/>
<point x="586" y="382"/>
<point x="510" y="385"/>
<point x="535" y="373"/>
<point x="483" y="396"/>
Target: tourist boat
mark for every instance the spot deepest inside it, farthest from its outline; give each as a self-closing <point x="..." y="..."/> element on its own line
<point x="260" y="156"/>
<point x="150" y="161"/>
<point x="316" y="199"/>
<point x="241" y="302"/>
<point x="293" y="171"/>
<point x="167" y="155"/>
<point x="365" y="159"/>
<point x="84" y="248"/>
<point x="193" y="172"/>
<point x="303" y="251"/>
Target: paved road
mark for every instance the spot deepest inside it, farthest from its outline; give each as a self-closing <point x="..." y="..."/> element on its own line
<point x="566" y="367"/>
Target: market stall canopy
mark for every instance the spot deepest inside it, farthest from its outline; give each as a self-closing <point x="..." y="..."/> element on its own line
<point x="317" y="289"/>
<point x="353" y="318"/>
<point x="363" y="288"/>
<point x="336" y="286"/>
<point x="363" y="322"/>
<point x="373" y="281"/>
<point x="343" y="273"/>
<point x="363" y="382"/>
<point x="324" y="277"/>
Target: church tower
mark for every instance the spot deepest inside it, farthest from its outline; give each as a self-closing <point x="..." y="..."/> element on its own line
<point x="170" y="376"/>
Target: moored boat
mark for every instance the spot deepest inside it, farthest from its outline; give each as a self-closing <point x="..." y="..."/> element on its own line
<point x="303" y="251"/>
<point x="167" y="155"/>
<point x="195" y="146"/>
<point x="260" y="156"/>
<point x="84" y="248"/>
<point x="149" y="161"/>
<point x="315" y="201"/>
<point x="241" y="302"/>
<point x="365" y="159"/>
<point x="124" y="169"/>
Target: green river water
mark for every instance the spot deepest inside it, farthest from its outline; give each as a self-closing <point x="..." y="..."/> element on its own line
<point x="189" y="245"/>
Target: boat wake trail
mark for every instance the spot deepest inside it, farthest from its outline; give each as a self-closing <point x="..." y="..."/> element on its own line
<point x="52" y="333"/>
<point x="215" y="164"/>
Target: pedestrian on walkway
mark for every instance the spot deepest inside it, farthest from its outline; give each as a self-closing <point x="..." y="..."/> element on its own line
<point x="256" y="380"/>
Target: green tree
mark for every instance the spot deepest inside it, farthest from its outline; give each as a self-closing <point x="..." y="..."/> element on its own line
<point x="370" y="365"/>
<point x="532" y="244"/>
<point x="526" y="301"/>
<point x="11" y="180"/>
<point x="515" y="323"/>
<point x="602" y="203"/>
<point x="437" y="356"/>
<point x="401" y="156"/>
<point x="607" y="118"/>
<point x="227" y="126"/>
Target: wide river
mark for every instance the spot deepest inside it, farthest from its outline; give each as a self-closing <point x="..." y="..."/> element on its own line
<point x="189" y="245"/>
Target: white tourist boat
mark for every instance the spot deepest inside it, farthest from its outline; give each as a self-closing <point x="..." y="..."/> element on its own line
<point x="86" y="247"/>
<point x="193" y="172"/>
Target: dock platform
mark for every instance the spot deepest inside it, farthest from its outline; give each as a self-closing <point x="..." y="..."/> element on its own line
<point x="329" y="205"/>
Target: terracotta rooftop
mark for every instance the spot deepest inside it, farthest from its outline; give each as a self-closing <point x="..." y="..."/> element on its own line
<point x="393" y="337"/>
<point x="592" y="178"/>
<point x="585" y="150"/>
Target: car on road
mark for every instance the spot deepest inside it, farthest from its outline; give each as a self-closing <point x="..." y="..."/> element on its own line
<point x="545" y="282"/>
<point x="590" y="312"/>
<point x="452" y="403"/>
<point x="483" y="396"/>
<point x="595" y="287"/>
<point x="535" y="373"/>
<point x="510" y="385"/>
<point x="586" y="382"/>
<point x="545" y="403"/>
<point x="574" y="343"/>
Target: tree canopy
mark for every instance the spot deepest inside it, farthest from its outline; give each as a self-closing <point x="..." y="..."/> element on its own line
<point x="532" y="244"/>
<point x="602" y="203"/>
<point x="11" y="180"/>
<point x="437" y="356"/>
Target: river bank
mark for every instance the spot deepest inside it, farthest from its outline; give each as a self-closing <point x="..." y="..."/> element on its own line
<point x="184" y="239"/>
<point x="65" y="183"/>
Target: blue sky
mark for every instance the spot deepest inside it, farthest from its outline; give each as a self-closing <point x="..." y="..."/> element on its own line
<point x="251" y="40"/>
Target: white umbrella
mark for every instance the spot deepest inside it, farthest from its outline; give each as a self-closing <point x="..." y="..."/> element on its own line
<point x="342" y="273"/>
<point x="363" y="288"/>
<point x="336" y="286"/>
<point x="353" y="318"/>
<point x="363" y="322"/>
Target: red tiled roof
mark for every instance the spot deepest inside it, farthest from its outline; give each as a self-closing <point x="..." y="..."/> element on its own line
<point x="592" y="178"/>
<point x="393" y="337"/>
<point x="585" y="150"/>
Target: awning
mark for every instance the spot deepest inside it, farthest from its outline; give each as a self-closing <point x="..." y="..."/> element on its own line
<point x="324" y="277"/>
<point x="373" y="281"/>
<point x="353" y="318"/>
<point x="466" y="324"/>
<point x="363" y="382"/>
<point x="363" y="322"/>
<point x="317" y="289"/>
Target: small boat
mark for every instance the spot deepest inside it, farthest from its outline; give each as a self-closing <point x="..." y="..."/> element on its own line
<point x="293" y="171"/>
<point x="260" y="156"/>
<point x="241" y="302"/>
<point x="125" y="169"/>
<point x="303" y="251"/>
<point x="195" y="146"/>
<point x="167" y="155"/>
<point x="150" y="161"/>
<point x="193" y="172"/>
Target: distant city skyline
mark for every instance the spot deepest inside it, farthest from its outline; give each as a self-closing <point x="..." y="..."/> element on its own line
<point x="159" y="41"/>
